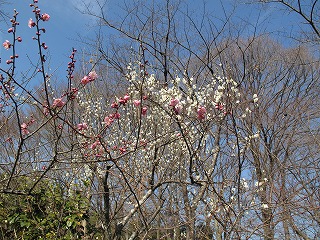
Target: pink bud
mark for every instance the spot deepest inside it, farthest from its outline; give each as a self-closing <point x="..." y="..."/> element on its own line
<point x="10" y="30"/>
<point x="19" y="39"/>
<point x="44" y="45"/>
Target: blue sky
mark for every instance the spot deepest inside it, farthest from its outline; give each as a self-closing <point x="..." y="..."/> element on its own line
<point x="67" y="23"/>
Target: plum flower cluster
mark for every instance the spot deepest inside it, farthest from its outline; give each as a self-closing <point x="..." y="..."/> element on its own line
<point x="151" y="114"/>
<point x="187" y="98"/>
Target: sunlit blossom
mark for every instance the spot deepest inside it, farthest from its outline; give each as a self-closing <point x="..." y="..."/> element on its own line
<point x="58" y="102"/>
<point x="31" y="23"/>
<point x="85" y="80"/>
<point x="45" y="17"/>
<point x="136" y="103"/>
<point x="93" y="75"/>
<point x="6" y="44"/>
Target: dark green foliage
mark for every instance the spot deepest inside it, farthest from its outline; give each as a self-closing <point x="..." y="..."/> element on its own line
<point x="49" y="213"/>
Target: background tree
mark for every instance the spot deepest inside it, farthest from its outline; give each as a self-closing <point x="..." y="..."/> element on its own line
<point x="202" y="132"/>
<point x="308" y="13"/>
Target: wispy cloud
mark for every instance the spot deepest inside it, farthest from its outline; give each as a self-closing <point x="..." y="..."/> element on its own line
<point x="87" y="6"/>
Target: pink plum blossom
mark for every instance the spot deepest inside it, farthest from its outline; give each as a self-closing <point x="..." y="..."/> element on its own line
<point x="144" y="111"/>
<point x="82" y="126"/>
<point x="126" y="97"/>
<point x="58" y="102"/>
<point x="136" y="103"/>
<point x="24" y="129"/>
<point x="108" y="121"/>
<point x="85" y="80"/>
<point x="173" y="102"/>
<point x="122" y="150"/>
<point x="122" y="101"/>
<point x="6" y="44"/>
<point x="45" y="17"/>
<point x="10" y="30"/>
<point x="93" y="75"/>
<point x="31" y="23"/>
<point x="89" y="78"/>
<point x="201" y="113"/>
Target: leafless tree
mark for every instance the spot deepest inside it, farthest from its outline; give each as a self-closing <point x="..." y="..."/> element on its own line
<point x="204" y="134"/>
